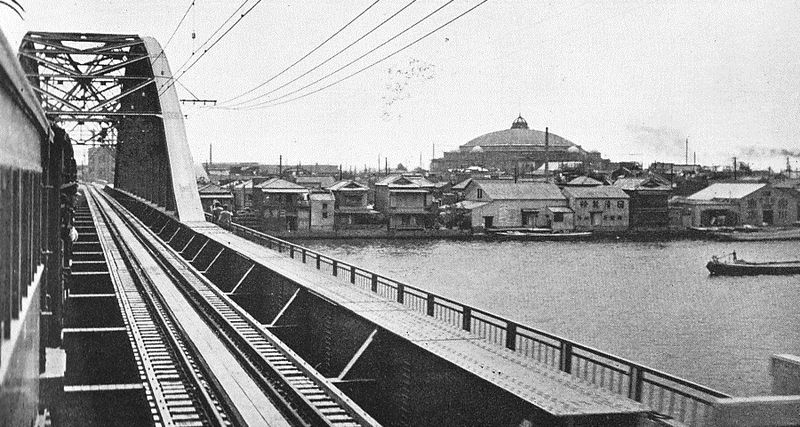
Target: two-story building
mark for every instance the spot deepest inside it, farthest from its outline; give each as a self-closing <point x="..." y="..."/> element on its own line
<point x="405" y="201"/>
<point x="599" y="208"/>
<point x="351" y="205"/>
<point x="507" y="204"/>
<point x="281" y="205"/>
<point x="649" y="201"/>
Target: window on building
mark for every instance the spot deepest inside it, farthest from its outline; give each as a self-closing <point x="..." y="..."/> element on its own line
<point x="751" y="204"/>
<point x="595" y="204"/>
<point x="480" y="193"/>
<point x="558" y="217"/>
<point x="783" y="215"/>
<point x="584" y="204"/>
<point x="608" y="204"/>
<point x="621" y="204"/>
<point x="324" y="206"/>
<point x="783" y="203"/>
<point x="619" y="217"/>
<point x="324" y="214"/>
<point x="605" y="217"/>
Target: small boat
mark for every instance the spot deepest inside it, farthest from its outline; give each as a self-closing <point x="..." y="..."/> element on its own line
<point x="549" y="235"/>
<point x="759" y="235"/>
<point x="738" y="267"/>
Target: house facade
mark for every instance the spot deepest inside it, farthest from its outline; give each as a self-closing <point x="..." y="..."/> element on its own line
<point x="600" y="208"/>
<point x="649" y="201"/>
<point x="322" y="214"/>
<point x="351" y="205"/>
<point x="405" y="201"/>
<point x="509" y="204"/>
<point x="735" y="204"/>
<point x="281" y="205"/>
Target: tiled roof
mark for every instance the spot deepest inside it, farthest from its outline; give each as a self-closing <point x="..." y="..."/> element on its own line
<point x="348" y="185"/>
<point x="585" y="180"/>
<point x="510" y="190"/>
<point x="727" y="190"/>
<point x="641" y="183"/>
<point x="461" y="186"/>
<point x="599" y="192"/>
<point x="413" y="181"/>
<point x="280" y="184"/>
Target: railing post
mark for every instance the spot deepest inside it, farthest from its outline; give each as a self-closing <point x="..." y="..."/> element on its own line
<point x="352" y="274"/>
<point x="304" y="255"/>
<point x="431" y="304"/>
<point x="291" y="252"/>
<point x="335" y="265"/>
<point x="511" y="336"/>
<point x="466" y="321"/>
<point x="565" y="362"/>
<point x="318" y="262"/>
<point x="400" y="292"/>
<point x="374" y="283"/>
<point x="635" y="383"/>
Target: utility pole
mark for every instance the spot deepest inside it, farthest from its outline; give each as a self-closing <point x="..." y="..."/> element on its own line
<point x="547" y="152"/>
<point x="686" y="161"/>
<point x="734" y="168"/>
<point x="280" y="165"/>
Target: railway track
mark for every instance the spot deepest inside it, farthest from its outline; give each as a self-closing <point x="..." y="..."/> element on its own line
<point x="183" y="386"/>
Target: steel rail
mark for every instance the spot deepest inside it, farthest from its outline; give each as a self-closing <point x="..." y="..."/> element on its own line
<point x="217" y="409"/>
<point x="301" y="393"/>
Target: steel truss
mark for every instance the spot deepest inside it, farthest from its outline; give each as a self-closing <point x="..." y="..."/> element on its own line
<point x="90" y="84"/>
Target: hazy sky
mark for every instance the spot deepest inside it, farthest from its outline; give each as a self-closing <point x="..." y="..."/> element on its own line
<point x="631" y="79"/>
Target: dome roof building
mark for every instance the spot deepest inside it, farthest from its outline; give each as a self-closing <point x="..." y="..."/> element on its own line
<point x="519" y="148"/>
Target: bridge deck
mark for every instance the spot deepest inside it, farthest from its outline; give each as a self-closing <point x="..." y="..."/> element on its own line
<point x="551" y="390"/>
<point x="253" y="406"/>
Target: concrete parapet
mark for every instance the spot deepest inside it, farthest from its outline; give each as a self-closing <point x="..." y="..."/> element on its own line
<point x="785" y="371"/>
<point x="756" y="411"/>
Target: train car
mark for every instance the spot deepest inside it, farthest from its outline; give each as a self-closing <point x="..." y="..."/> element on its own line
<point x="37" y="192"/>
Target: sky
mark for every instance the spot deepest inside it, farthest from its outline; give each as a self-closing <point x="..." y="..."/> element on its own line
<point x="631" y="79"/>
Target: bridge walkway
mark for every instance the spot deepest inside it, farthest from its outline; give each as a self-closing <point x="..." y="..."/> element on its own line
<point x="551" y="390"/>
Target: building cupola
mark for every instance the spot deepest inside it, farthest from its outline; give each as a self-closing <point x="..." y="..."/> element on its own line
<point x="519" y="123"/>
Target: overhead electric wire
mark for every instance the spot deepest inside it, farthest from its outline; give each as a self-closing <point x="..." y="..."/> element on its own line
<point x="177" y="27"/>
<point x="185" y="14"/>
<point x="18" y="12"/>
<point x="353" y="61"/>
<point x="380" y="60"/>
<point x="304" y="56"/>
<point x="329" y="58"/>
<point x="242" y="16"/>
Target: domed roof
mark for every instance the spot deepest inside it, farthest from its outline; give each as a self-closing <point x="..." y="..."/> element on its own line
<point x="518" y="135"/>
<point x="519" y="123"/>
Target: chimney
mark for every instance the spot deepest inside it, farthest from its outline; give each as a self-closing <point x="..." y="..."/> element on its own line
<point x="280" y="165"/>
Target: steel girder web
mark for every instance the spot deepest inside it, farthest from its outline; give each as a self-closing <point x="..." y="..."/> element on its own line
<point x="106" y="89"/>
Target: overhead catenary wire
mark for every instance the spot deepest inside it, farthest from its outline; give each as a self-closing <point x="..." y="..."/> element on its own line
<point x="304" y="56"/>
<point x="208" y="49"/>
<point x="255" y="106"/>
<point x="175" y="31"/>
<point x="380" y="60"/>
<point x="330" y="57"/>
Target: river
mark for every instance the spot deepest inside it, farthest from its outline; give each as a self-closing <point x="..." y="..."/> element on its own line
<point x="653" y="303"/>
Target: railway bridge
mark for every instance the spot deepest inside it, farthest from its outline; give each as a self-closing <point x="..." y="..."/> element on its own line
<point x="154" y="316"/>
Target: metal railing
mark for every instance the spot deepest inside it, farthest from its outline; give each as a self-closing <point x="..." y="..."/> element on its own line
<point x="665" y="394"/>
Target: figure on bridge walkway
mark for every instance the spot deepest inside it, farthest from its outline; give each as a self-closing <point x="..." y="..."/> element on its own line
<point x="215" y="211"/>
<point x="225" y="217"/>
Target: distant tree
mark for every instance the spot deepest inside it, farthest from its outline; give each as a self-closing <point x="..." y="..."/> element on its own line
<point x="401" y="168"/>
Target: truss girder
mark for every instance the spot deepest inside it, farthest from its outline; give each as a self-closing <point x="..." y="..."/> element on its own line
<point x="102" y="88"/>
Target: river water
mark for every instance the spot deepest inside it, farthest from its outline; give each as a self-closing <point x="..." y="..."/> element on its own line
<point x="653" y="303"/>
